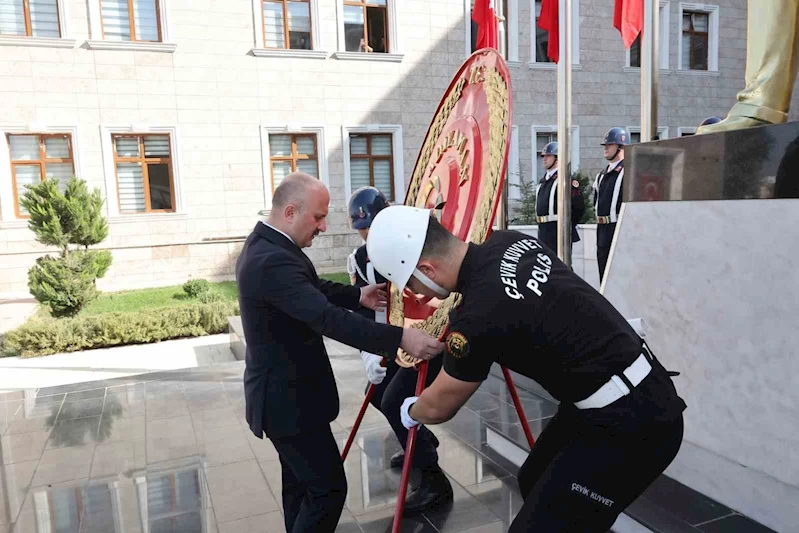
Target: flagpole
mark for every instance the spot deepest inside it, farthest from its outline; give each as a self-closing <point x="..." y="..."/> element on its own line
<point x="650" y="70"/>
<point x="564" y="129"/>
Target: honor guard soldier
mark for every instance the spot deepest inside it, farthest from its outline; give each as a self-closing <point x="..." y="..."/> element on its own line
<point x="608" y="194"/>
<point x="394" y="383"/>
<point x="546" y="201"/>
<point x="620" y="420"/>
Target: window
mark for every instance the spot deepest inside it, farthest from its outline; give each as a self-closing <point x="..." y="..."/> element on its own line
<point x="143" y="165"/>
<point x="31" y="18"/>
<point x="287" y="24"/>
<point x="371" y="162"/>
<point x="366" y="26"/>
<point x="635" y="133"/>
<point x="38" y="157"/>
<point x="541" y="38"/>
<point x="541" y="140"/>
<point x="546" y="134"/>
<point x="539" y="45"/>
<point x="634" y="53"/>
<point x="502" y="11"/>
<point x="292" y="153"/>
<point x="131" y="20"/>
<point x="698" y="46"/>
<point x="686" y="132"/>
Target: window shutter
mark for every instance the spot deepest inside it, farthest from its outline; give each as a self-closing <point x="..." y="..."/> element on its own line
<point x="12" y="17"/>
<point x="145" y="20"/>
<point x="44" y="18"/>
<point x="358" y="145"/>
<point x="305" y="145"/>
<point x="280" y="169"/>
<point x="131" y="188"/>
<point x="299" y="17"/>
<point x="359" y="173"/>
<point x="381" y="145"/>
<point x="127" y="146"/>
<point x="273" y="25"/>
<point x="116" y="20"/>
<point x="26" y="175"/>
<point x="383" y="177"/>
<point x="280" y="145"/>
<point x="24" y="147"/>
<point x="156" y="146"/>
<point x="308" y="166"/>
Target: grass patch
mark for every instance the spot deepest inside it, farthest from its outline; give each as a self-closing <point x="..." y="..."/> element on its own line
<point x="143" y="299"/>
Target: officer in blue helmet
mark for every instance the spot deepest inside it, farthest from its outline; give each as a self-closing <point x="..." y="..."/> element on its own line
<point x="710" y="120"/>
<point x="608" y="193"/>
<point x="546" y="201"/>
<point x="394" y="383"/>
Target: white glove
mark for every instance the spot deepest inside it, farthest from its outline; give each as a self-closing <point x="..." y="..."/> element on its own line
<point x="374" y="372"/>
<point x="407" y="421"/>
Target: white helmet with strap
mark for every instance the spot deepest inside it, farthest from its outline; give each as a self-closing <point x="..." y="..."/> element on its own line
<point x="395" y="242"/>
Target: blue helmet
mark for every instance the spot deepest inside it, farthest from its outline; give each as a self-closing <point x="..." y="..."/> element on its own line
<point x="550" y="149"/>
<point x="364" y="205"/>
<point x="616" y="136"/>
<point x="710" y="120"/>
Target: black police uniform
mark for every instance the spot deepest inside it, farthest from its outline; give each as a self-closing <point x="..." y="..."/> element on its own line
<point x="607" y="204"/>
<point x="526" y="310"/>
<point x="398" y="383"/>
<point x="546" y="210"/>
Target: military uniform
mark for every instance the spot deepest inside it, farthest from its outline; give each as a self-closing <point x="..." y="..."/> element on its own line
<point x="607" y="205"/>
<point x="619" y="423"/>
<point x="546" y="210"/>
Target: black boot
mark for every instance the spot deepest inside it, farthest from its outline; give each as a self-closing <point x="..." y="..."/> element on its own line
<point x="434" y="490"/>
<point x="398" y="459"/>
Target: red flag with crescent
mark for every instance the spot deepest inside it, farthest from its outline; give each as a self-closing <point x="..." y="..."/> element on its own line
<point x="548" y="20"/>
<point x="486" y="19"/>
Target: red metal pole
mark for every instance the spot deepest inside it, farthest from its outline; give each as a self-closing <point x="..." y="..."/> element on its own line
<point x="518" y="404"/>
<point x="358" y="420"/>
<point x="406" y="467"/>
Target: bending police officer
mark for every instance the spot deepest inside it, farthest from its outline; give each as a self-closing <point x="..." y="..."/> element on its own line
<point x="608" y="194"/>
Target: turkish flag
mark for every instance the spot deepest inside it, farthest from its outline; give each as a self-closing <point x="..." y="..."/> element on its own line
<point x="485" y="18"/>
<point x="629" y="19"/>
<point x="548" y="20"/>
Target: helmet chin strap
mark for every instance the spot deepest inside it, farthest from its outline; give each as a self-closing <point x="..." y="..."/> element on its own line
<point x="430" y="284"/>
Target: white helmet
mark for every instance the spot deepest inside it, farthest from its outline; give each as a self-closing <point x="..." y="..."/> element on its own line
<point x="395" y="242"/>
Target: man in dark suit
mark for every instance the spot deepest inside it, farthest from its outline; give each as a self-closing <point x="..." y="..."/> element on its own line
<point x="289" y="388"/>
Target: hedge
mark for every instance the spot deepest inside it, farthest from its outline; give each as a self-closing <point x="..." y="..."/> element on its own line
<point x="49" y="336"/>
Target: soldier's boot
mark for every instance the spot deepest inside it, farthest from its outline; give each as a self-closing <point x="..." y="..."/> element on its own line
<point x="434" y="490"/>
<point x="398" y="459"/>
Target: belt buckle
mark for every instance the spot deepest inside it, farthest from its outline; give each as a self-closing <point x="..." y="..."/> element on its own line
<point x="603" y="220"/>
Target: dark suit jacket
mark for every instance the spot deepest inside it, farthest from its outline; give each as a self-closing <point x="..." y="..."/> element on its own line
<point x="285" y="310"/>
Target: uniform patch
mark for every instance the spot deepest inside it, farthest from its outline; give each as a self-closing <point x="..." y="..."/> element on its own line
<point x="457" y="345"/>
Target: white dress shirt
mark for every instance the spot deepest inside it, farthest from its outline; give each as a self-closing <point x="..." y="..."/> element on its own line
<point x="268" y="225"/>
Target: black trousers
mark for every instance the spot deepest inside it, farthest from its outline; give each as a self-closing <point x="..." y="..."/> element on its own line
<point x="580" y="479"/>
<point x="400" y="383"/>
<point x="602" y="253"/>
<point x="314" y="484"/>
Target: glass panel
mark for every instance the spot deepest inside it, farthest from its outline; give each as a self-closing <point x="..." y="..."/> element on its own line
<point x="12" y="17"/>
<point x="635" y="53"/>
<point x="359" y="173"/>
<point x="280" y="169"/>
<point x="541" y="140"/>
<point x="56" y="147"/>
<point x="686" y="50"/>
<point x="699" y="53"/>
<point x="305" y="145"/>
<point x="308" y="166"/>
<point x="635" y="137"/>
<point x="116" y="20"/>
<point x="299" y="25"/>
<point x="700" y="21"/>
<point x="280" y="145"/>
<point x="98" y="509"/>
<point x="382" y="169"/>
<point x="127" y="146"/>
<point x="160" y="187"/>
<point x="273" y="25"/>
<point x="686" y="21"/>
<point x="156" y="146"/>
<point x="353" y="29"/>
<point x="24" y="147"/>
<point x="376" y="2"/>
<point x="378" y="34"/>
<point x="60" y="171"/>
<point x="145" y="20"/>
<point x="131" y="188"/>
<point x="358" y="145"/>
<point x="26" y="175"/>
<point x="44" y="18"/>
<point x="381" y="145"/>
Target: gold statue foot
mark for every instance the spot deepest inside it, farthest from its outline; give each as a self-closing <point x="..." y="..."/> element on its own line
<point x="731" y="124"/>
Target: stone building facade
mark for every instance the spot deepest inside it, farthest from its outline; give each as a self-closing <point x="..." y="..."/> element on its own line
<point x="186" y="113"/>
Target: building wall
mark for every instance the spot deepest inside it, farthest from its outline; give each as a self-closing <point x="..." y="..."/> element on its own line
<point x="219" y="100"/>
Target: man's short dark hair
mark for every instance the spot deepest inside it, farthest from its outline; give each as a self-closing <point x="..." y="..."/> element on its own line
<point x="292" y="190"/>
<point x="438" y="241"/>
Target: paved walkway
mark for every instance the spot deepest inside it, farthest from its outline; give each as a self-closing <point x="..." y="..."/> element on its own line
<point x="13" y="313"/>
<point x="109" y="363"/>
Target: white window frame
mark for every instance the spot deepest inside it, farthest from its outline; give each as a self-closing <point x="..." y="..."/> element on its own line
<point x="663" y="131"/>
<point x="665" y="39"/>
<point x="712" y="40"/>
<point x="65" y="41"/>
<point x="96" y="41"/>
<point x="512" y="20"/>
<point x="396" y="150"/>
<point x="9" y="218"/>
<point x="681" y="130"/>
<point x="514" y="170"/>
<point x="553" y="128"/>
<point x="111" y="188"/>
<point x="283" y="129"/>
<point x="395" y="54"/>
<point x="546" y="65"/>
<point x="316" y="35"/>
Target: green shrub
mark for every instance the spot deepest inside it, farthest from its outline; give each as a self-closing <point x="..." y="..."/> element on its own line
<point x="195" y="287"/>
<point x="210" y="296"/>
<point x="66" y="284"/>
<point x="50" y="336"/>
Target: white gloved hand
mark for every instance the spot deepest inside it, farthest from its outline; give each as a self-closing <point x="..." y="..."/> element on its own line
<point x="374" y="372"/>
<point x="407" y="421"/>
